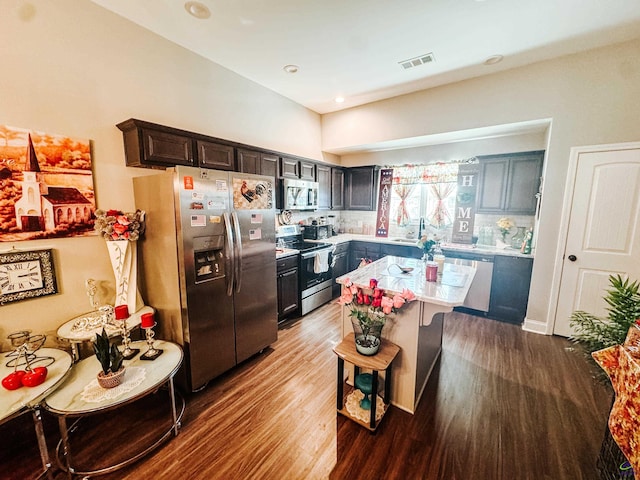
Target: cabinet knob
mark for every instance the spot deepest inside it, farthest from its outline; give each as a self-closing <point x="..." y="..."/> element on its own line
<point x="572" y="258"/>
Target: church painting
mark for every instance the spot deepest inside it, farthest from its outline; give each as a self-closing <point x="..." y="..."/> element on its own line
<point x="46" y="186"/>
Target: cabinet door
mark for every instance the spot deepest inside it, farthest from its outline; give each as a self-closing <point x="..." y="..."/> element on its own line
<point x="287" y="292"/>
<point x="289" y="168"/>
<point x="323" y="174"/>
<point x="337" y="188"/>
<point x="360" y="188"/>
<point x="493" y="184"/>
<point x="163" y="148"/>
<point x="523" y="185"/>
<point x="510" y="288"/>
<point x="248" y="161"/>
<point x="269" y="165"/>
<point x="215" y="155"/>
<point x="340" y="267"/>
<point x="307" y="171"/>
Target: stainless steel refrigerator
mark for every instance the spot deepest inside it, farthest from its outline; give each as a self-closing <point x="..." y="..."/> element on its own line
<point x="208" y="265"/>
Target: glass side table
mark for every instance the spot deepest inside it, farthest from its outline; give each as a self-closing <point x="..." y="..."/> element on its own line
<point x="79" y="397"/>
<point x="14" y="403"/>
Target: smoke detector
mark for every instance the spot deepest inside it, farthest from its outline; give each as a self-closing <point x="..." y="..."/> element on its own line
<point x="417" y="61"/>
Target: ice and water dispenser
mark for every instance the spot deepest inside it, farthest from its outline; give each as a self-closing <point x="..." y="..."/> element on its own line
<point x="208" y="255"/>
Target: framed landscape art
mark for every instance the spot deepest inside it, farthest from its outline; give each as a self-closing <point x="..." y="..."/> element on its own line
<point x="46" y="185"/>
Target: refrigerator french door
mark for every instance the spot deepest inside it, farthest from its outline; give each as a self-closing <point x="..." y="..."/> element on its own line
<point x="208" y="263"/>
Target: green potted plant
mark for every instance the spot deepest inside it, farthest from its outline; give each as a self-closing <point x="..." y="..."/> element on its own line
<point x="593" y="333"/>
<point x="110" y="358"/>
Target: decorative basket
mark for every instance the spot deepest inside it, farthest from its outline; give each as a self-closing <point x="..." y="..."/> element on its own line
<point x="111" y="379"/>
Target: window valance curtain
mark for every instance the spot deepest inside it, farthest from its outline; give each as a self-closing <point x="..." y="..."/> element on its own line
<point x="438" y="172"/>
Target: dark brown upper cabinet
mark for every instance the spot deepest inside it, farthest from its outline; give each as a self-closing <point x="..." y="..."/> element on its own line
<point x="508" y="183"/>
<point x="307" y="170"/>
<point x="150" y="145"/>
<point x="323" y="176"/>
<point x="215" y="155"/>
<point x="289" y="168"/>
<point x="337" y="188"/>
<point x="360" y="188"/>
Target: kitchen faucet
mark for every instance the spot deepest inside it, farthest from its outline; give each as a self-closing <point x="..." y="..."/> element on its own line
<point x="421" y="228"/>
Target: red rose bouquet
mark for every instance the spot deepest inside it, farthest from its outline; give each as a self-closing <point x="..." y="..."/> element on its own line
<point x="373" y="305"/>
<point x="117" y="225"/>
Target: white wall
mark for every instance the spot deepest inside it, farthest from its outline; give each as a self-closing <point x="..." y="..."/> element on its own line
<point x="70" y="67"/>
<point x="591" y="98"/>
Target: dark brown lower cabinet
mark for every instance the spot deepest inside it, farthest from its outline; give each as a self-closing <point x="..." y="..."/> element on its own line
<point x="510" y="288"/>
<point x="287" y="284"/>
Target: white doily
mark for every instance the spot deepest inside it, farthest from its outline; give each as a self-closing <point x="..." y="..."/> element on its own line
<point x="356" y="411"/>
<point x="94" y="393"/>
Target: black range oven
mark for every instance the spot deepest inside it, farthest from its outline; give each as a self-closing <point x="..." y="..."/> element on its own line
<point x="315" y="270"/>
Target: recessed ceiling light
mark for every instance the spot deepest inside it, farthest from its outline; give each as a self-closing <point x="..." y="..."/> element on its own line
<point x="197" y="9"/>
<point x="290" y="68"/>
<point x="493" y="60"/>
<point x="339" y="99"/>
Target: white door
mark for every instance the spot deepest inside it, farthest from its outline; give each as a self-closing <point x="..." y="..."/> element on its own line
<point x="602" y="228"/>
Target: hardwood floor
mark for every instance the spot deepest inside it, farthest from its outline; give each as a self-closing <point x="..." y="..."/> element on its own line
<point x="501" y="404"/>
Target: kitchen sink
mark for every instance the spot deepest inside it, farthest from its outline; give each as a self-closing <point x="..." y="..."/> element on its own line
<point x="412" y="241"/>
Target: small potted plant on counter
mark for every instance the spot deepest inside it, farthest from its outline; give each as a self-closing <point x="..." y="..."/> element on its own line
<point x="110" y="358"/>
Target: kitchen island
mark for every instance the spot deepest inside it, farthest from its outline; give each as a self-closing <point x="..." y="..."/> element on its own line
<point x="417" y="327"/>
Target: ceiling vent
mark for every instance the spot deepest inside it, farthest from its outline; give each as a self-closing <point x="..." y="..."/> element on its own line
<point x="417" y="61"/>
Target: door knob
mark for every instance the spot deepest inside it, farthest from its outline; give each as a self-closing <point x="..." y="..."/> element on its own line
<point x="572" y="258"/>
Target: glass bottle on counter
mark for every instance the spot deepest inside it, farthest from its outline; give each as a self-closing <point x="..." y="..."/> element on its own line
<point x="518" y="238"/>
<point x="438" y="257"/>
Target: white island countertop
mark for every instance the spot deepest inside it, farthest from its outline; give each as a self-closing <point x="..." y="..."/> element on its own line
<point x="450" y="290"/>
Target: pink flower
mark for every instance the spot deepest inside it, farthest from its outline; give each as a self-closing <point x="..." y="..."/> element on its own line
<point x="387" y="305"/>
<point x="122" y="220"/>
<point x="398" y="301"/>
<point x="119" y="228"/>
<point x="345" y="298"/>
<point x="347" y="282"/>
<point x="354" y="289"/>
<point x="408" y="295"/>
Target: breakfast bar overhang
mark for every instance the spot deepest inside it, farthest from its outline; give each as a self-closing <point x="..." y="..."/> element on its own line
<point x="417" y="328"/>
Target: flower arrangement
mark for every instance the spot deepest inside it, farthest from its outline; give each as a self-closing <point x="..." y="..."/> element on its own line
<point x="117" y="225"/>
<point x="505" y="224"/>
<point x="426" y="244"/>
<point x="369" y="309"/>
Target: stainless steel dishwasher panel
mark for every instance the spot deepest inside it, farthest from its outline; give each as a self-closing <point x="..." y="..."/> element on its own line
<point x="480" y="291"/>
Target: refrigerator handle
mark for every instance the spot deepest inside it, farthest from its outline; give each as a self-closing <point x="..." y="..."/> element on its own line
<point x="238" y="253"/>
<point x="230" y="255"/>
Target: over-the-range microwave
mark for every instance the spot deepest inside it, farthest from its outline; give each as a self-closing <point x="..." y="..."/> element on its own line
<point x="300" y="194"/>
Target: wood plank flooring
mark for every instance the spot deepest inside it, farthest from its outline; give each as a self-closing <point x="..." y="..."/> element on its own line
<point x="501" y="404"/>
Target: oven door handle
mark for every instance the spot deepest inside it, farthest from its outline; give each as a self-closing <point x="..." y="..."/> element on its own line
<point x="313" y="252"/>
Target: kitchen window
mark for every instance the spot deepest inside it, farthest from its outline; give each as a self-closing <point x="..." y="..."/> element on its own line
<point x="423" y="191"/>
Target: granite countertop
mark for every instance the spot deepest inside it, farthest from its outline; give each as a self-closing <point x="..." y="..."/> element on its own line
<point x="479" y="249"/>
<point x="450" y="290"/>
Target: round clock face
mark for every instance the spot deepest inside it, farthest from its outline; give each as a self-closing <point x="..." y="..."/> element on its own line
<point x="20" y="276"/>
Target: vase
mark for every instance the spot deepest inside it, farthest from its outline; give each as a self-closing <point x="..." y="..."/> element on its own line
<point x="111" y="379"/>
<point x="123" y="256"/>
<point x="367" y="336"/>
<point x="518" y="238"/>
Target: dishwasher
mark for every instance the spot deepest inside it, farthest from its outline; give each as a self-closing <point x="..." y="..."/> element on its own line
<point x="480" y="290"/>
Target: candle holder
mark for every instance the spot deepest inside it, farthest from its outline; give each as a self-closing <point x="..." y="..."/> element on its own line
<point x="127" y="352"/>
<point x="152" y="353"/>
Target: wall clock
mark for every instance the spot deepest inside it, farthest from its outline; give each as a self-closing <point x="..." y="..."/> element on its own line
<point x="26" y="274"/>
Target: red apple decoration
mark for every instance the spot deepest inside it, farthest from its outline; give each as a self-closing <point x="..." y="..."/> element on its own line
<point x="35" y="377"/>
<point x="13" y="381"/>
